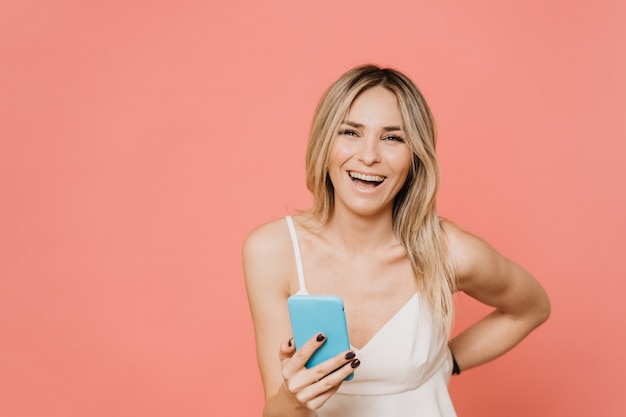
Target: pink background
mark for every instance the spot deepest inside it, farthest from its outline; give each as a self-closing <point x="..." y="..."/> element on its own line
<point x="140" y="141"/>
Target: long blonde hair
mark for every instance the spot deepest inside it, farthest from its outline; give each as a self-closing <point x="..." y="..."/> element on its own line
<point x="415" y="220"/>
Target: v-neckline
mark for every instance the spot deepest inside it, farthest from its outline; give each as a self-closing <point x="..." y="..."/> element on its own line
<point x="386" y="324"/>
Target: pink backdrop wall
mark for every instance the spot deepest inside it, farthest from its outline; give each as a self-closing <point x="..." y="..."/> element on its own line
<point x="141" y="141"/>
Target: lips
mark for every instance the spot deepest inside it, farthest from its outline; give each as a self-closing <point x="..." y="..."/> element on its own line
<point x="366" y="180"/>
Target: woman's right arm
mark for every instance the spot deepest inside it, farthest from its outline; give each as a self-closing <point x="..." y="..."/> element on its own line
<point x="290" y="388"/>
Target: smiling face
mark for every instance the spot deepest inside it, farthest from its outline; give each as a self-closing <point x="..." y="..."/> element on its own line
<point x="370" y="160"/>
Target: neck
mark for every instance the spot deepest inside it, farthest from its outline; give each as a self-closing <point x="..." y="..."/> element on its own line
<point x="362" y="233"/>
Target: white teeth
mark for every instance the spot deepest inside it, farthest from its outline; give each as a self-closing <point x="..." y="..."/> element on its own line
<point x="363" y="177"/>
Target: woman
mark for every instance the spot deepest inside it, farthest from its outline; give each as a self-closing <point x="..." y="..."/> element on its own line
<point x="373" y="237"/>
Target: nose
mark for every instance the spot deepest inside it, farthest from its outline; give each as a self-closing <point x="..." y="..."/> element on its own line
<point x="369" y="153"/>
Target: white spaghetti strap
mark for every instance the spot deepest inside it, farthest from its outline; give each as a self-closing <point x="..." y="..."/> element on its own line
<point x="296" y="251"/>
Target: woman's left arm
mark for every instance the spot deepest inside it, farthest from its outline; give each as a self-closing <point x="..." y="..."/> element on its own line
<point x="521" y="304"/>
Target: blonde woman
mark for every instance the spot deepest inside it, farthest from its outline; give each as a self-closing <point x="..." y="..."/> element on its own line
<point x="373" y="237"/>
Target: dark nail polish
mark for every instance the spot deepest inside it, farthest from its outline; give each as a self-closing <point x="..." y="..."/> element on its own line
<point x="350" y="355"/>
<point x="320" y="337"/>
<point x="355" y="363"/>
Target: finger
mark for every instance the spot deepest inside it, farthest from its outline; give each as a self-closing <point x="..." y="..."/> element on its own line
<point x="333" y="365"/>
<point x="287" y="349"/>
<point x="316" y="401"/>
<point x="337" y="366"/>
<point x="316" y="394"/>
<point x="302" y="355"/>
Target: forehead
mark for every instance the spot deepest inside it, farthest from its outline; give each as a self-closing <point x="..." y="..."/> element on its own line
<point x="376" y="105"/>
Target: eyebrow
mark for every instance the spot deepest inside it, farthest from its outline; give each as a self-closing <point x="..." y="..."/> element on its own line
<point x="359" y="126"/>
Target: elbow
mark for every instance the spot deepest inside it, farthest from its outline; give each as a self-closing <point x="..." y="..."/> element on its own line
<point x="543" y="310"/>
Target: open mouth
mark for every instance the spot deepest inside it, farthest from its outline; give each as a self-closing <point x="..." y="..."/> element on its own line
<point x="366" y="181"/>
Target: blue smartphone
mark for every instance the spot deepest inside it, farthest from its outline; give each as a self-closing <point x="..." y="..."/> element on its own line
<point x="312" y="314"/>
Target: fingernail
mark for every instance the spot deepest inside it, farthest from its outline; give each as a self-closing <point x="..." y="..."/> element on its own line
<point x="355" y="363"/>
<point x="350" y="355"/>
<point x="320" y="337"/>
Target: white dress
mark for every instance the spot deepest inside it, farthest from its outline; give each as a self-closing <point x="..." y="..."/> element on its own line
<point x="405" y="368"/>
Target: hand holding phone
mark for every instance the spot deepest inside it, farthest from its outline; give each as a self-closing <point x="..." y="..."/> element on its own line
<point x="314" y="314"/>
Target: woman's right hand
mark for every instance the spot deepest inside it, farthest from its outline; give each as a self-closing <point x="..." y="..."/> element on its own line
<point x="312" y="387"/>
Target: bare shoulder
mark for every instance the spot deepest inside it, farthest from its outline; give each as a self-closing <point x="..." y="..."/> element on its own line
<point x="480" y="269"/>
<point x="469" y="252"/>
<point x="486" y="275"/>
<point x="267" y="238"/>
<point x="268" y="256"/>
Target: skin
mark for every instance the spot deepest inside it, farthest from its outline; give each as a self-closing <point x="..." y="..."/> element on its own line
<point x="357" y="256"/>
